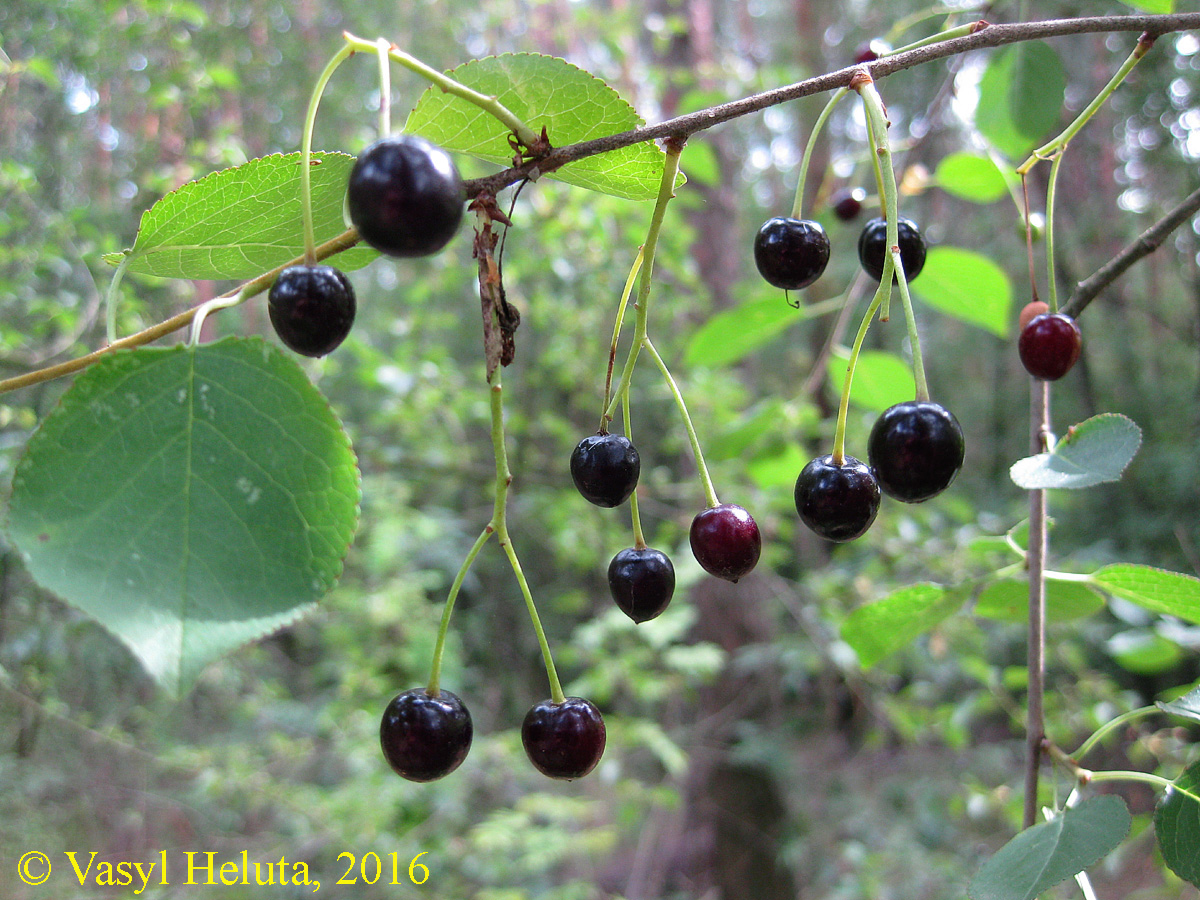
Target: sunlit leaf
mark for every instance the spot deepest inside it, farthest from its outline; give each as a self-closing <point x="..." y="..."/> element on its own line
<point x="733" y="333"/>
<point x="241" y="222"/>
<point x="1007" y="600"/>
<point x="544" y="92"/>
<point x="1020" y="97"/>
<point x="881" y="628"/>
<point x="1168" y="593"/>
<point x="1042" y="856"/>
<point x="970" y="176"/>
<point x="188" y="499"/>
<point x="1093" y="452"/>
<point x="1187" y="706"/>
<point x="968" y="286"/>
<point x="881" y="379"/>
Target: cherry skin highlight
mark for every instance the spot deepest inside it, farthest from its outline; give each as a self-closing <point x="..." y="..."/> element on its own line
<point x="641" y="582"/>
<point x="424" y="737"/>
<point x="725" y="541"/>
<point x="838" y="501"/>
<point x="564" y="740"/>
<point x="1049" y="346"/>
<point x="311" y="308"/>
<point x="915" y="449"/>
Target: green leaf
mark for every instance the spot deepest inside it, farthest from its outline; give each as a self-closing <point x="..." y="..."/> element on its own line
<point x="1144" y="652"/>
<point x="1007" y="600"/>
<point x="732" y="334"/>
<point x="1020" y="97"/>
<point x="777" y="470"/>
<point x="1152" y="6"/>
<point x="544" y="92"/>
<point x="1168" y="593"/>
<point x="1187" y="706"/>
<point x="879" y="629"/>
<point x="188" y="499"/>
<point x="971" y="177"/>
<point x="1177" y="825"/>
<point x="1093" y="452"/>
<point x="968" y="286"/>
<point x="241" y="222"/>
<point x="1042" y="856"/>
<point x="881" y="379"/>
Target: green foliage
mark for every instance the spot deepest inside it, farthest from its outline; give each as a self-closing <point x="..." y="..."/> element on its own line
<point x="967" y="285"/>
<point x="1177" y="825"/>
<point x="1092" y="452"/>
<point x="570" y="104"/>
<point x="1021" y="97"/>
<point x="883" y="627"/>
<point x="971" y="177"/>
<point x="1042" y="856"/>
<point x="1167" y="593"/>
<point x="188" y="499"/>
<point x="240" y="222"/>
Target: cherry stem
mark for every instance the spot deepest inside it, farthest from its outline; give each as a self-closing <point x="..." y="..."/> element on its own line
<point x="639" y="539"/>
<point x="310" y="120"/>
<point x="385" y="88"/>
<point x="710" y="495"/>
<point x="500" y="525"/>
<point x="798" y="203"/>
<point x="1051" y="280"/>
<point x="878" y="130"/>
<point x="1055" y="147"/>
<point x="439" y="648"/>
<point x="222" y="302"/>
<point x="110" y="299"/>
<point x="839" y="433"/>
<point x="666" y="190"/>
<point x="343" y="241"/>
<point x="526" y="135"/>
<point x="612" y="352"/>
<point x="1035" y="563"/>
<point x="1033" y="288"/>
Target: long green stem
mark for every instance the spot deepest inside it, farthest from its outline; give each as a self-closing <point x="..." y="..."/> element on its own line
<point x="491" y="105"/>
<point x="1051" y="280"/>
<point x="639" y="539"/>
<point x="798" y="203"/>
<point x="500" y="524"/>
<point x="666" y="190"/>
<point x="1110" y="726"/>
<point x="839" y="433"/>
<point x="385" y="88"/>
<point x="1056" y="146"/>
<point x="439" y="648"/>
<point x="710" y="495"/>
<point x="110" y="300"/>
<point x="310" y="120"/>
<point x="612" y="350"/>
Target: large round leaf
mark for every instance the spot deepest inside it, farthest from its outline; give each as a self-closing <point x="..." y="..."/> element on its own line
<point x="188" y="499"/>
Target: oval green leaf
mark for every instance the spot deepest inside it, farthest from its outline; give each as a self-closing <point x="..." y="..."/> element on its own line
<point x="243" y="221"/>
<point x="970" y="177"/>
<point x="188" y="499"/>
<point x="1177" y="825"/>
<point x="544" y="92"/>
<point x="1167" y="593"/>
<point x="1095" y="451"/>
<point x="968" y="286"/>
<point x="736" y="332"/>
<point x="1007" y="600"/>
<point x="881" y="379"/>
<point x="1187" y="706"/>
<point x="879" y="629"/>
<point x="1020" y="97"/>
<point x="1042" y="856"/>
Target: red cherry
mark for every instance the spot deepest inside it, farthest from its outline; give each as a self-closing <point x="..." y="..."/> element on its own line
<point x="1049" y="346"/>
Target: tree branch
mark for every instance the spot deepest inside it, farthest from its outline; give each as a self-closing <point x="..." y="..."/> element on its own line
<point x="1145" y="244"/>
<point x="683" y="126"/>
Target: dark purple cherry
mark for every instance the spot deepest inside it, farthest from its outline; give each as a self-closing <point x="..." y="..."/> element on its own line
<point x="641" y="582"/>
<point x="405" y="196"/>
<point x="725" y="541"/>
<point x="564" y="740"/>
<point x="846" y="203"/>
<point x="791" y="253"/>
<point x="425" y="737"/>
<point x="915" y="448"/>
<point x="873" y="247"/>
<point x="311" y="308"/>
<point x="837" y="500"/>
<point x="1049" y="346"/>
<point x="605" y="468"/>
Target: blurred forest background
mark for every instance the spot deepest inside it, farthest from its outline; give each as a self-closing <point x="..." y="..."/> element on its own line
<point x="749" y="754"/>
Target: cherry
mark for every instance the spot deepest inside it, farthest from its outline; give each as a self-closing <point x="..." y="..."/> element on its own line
<point x="564" y="740"/>
<point x="791" y="253"/>
<point x="915" y="448"/>
<point x="425" y="737"/>
<point x="1028" y="311"/>
<point x="405" y="196"/>
<point x="725" y="541"/>
<point x="605" y="468"/>
<point x="847" y="203"/>
<point x="837" y="500"/>
<point x="1049" y="346"/>
<point x="641" y="581"/>
<point x="311" y="308"/>
<point x="873" y="247"/>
